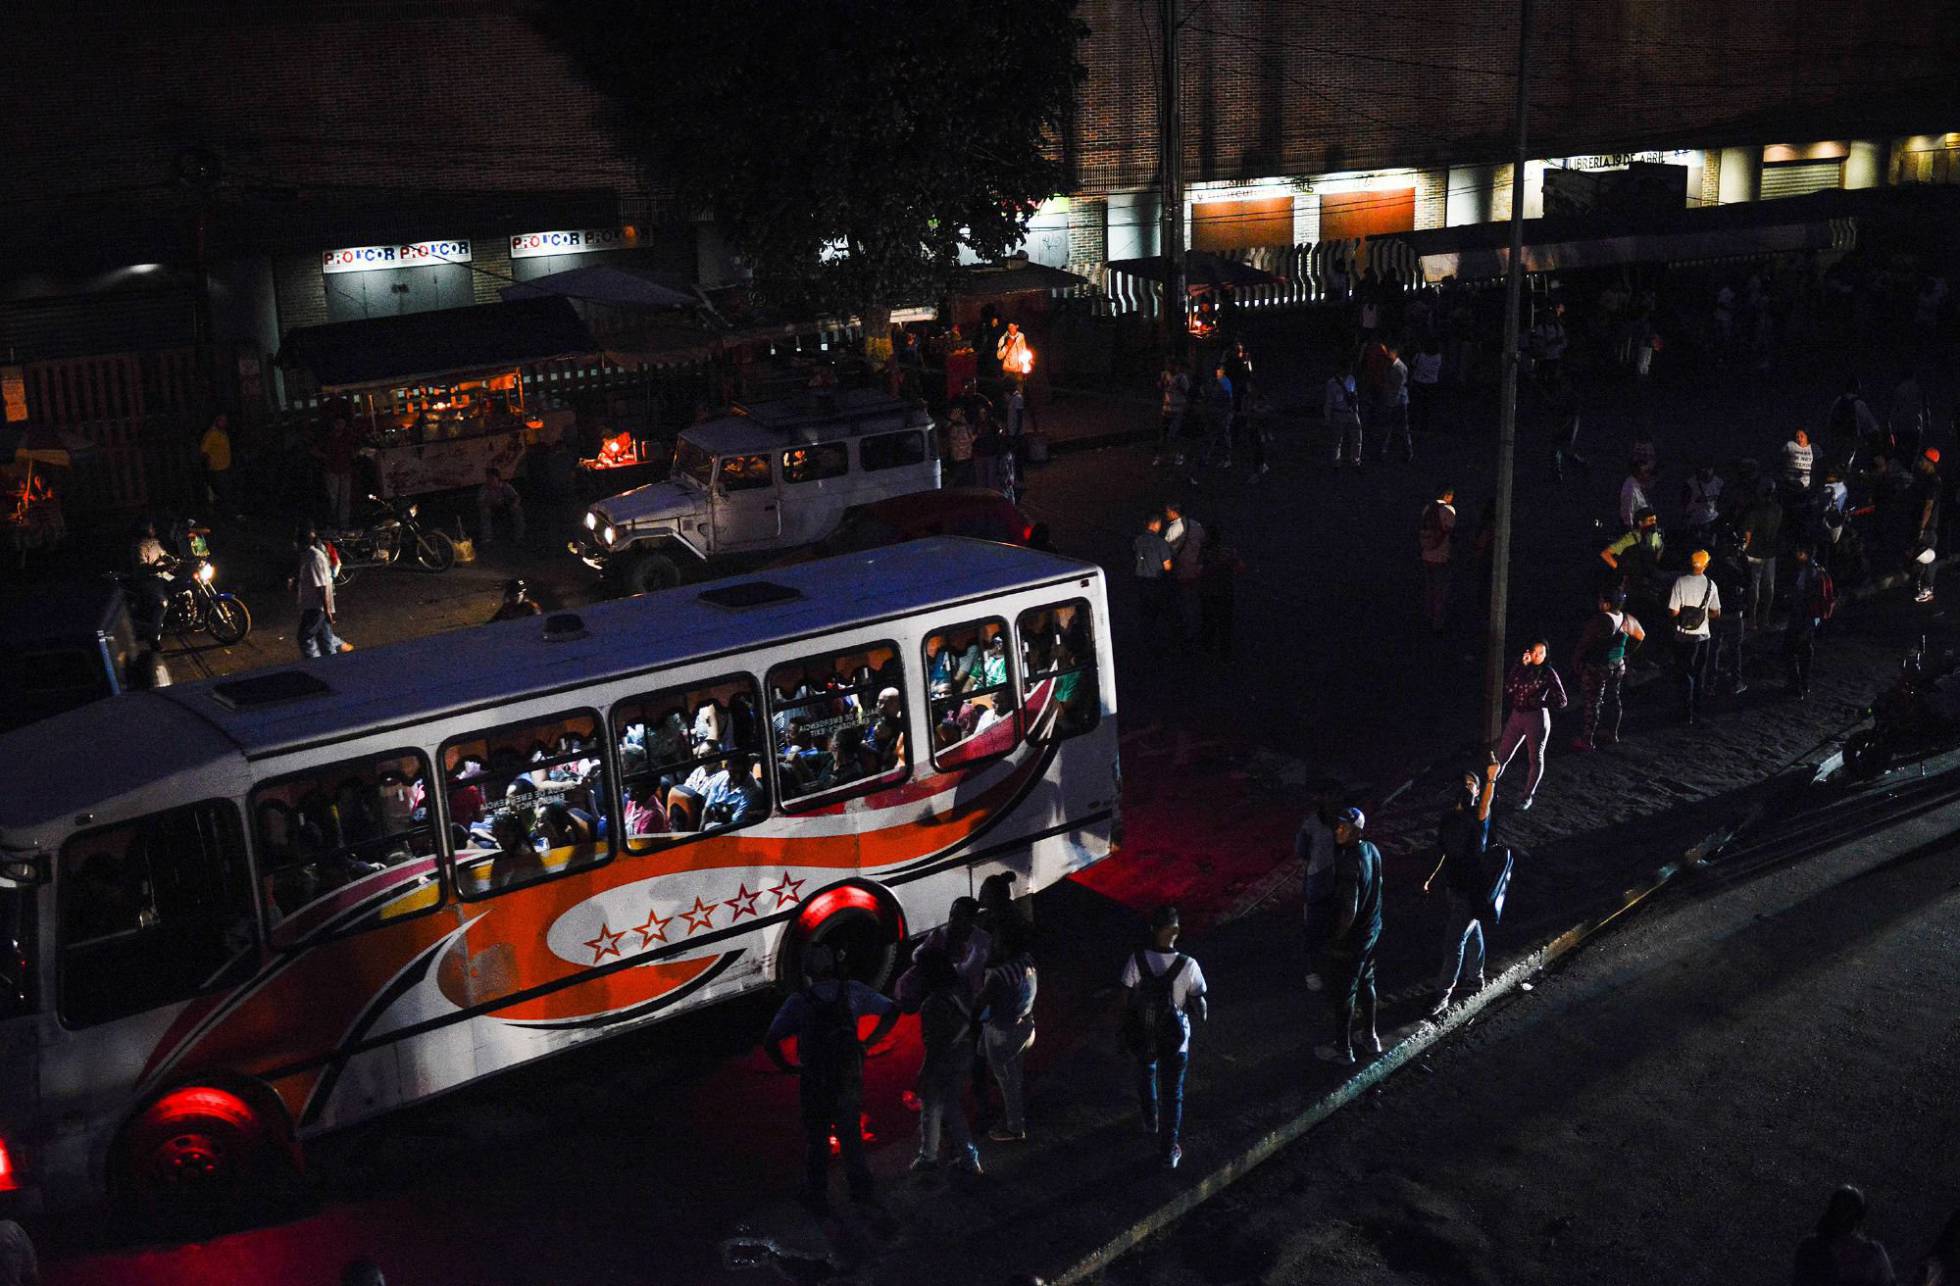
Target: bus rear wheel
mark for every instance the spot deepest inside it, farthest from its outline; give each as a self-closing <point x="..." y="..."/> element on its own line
<point x="861" y="925"/>
<point x="202" y="1155"/>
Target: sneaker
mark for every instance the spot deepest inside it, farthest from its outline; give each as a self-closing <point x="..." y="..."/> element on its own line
<point x="1923" y="596"/>
<point x="969" y="1160"/>
<point x="1739" y="688"/>
<point x="1315" y="982"/>
<point x="1372" y="1042"/>
<point x="349" y="647"/>
<point x="922" y="1162"/>
<point x="1334" y="1053"/>
<point x="1001" y="1134"/>
<point x="1174" y="1157"/>
<point x="1476" y="984"/>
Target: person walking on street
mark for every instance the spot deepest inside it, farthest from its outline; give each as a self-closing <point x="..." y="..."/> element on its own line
<point x="1217" y="422"/>
<point x="1395" y="406"/>
<point x="1187" y="538"/>
<point x="1154" y="561"/>
<point x="948" y="1032"/>
<point x="1923" y="503"/>
<point x="1425" y="385"/>
<point x="214" y="449"/>
<point x="1850" y="424"/>
<point x="1340" y="408"/>
<point x="1839" y="1253"/>
<point x="1600" y="661"/>
<point x="1462" y="834"/>
<point x="1218" y="587"/>
<point x="1762" y="529"/>
<point x="1348" y="962"/>
<point x="959" y="447"/>
<point x="313" y="580"/>
<point x="1729" y="637"/>
<point x="1694" y="603"/>
<point x="1813" y="600"/>
<point x="1435" y="540"/>
<point x="1532" y="690"/>
<point x="1174" y="391"/>
<point x="1007" y="1033"/>
<point x="1163" y="991"/>
<point x="823" y="1016"/>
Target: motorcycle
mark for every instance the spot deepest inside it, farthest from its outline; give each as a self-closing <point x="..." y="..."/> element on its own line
<point x="190" y="598"/>
<point x="394" y="533"/>
<point x="1917" y="712"/>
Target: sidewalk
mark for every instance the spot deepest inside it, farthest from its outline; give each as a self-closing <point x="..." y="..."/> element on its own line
<point x="1086" y="1184"/>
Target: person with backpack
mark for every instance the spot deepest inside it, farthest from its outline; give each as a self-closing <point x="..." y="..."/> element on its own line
<point x="1462" y="834"/>
<point x="1600" y="661"/>
<point x="823" y="1016"/>
<point x="1813" y="601"/>
<point x="1348" y="962"/>
<point x="1435" y="530"/>
<point x="1163" y="991"/>
<point x="950" y="1032"/>
<point x="1693" y="603"/>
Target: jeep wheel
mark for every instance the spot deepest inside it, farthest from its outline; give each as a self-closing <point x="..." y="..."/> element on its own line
<point x="649" y="572"/>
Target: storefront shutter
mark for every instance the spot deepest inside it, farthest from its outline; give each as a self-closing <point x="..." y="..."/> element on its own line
<point x="1800" y="178"/>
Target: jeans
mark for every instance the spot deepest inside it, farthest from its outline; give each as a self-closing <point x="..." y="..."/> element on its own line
<point x="1691" y="666"/>
<point x="1007" y="1049"/>
<point x="1393" y="420"/>
<point x="340" y="497"/>
<point x="1599" y="687"/>
<point x="1160" y="1092"/>
<point x="1435" y="594"/>
<point x="316" y="636"/>
<point x="1351" y="985"/>
<point x="825" y="1108"/>
<point x="1530" y="729"/>
<point x="1348" y="442"/>
<point x="1799" y="648"/>
<point x="1925" y="573"/>
<point x="1725" y="649"/>
<point x="942" y="1106"/>
<point x="1463" y="943"/>
<point x="1762" y="588"/>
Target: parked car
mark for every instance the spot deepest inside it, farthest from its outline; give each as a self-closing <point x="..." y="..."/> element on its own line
<point x="765" y="478"/>
<point x="65" y="645"/>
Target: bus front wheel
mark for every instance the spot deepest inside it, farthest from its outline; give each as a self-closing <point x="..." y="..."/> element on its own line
<point x="862" y="925"/>
<point x="202" y="1153"/>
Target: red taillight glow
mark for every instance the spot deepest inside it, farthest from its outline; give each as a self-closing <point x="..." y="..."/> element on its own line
<point x="201" y="1100"/>
<point x="1027" y="534"/>
<point x="831" y="901"/>
<point x="9" y="1181"/>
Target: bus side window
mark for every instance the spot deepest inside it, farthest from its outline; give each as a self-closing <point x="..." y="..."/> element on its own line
<point x="1058" y="670"/>
<point x="690" y="762"/>
<point x="153" y="911"/>
<point x="528" y="802"/>
<point x="840" y="723"/>
<point x="321" y="835"/>
<point x="974" y="714"/>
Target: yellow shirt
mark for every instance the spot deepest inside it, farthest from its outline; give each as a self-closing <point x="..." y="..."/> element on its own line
<point x="216" y="449"/>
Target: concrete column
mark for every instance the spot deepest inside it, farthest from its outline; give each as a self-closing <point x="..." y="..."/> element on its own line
<point x="1471" y="196"/>
<point x="1741" y="175"/>
<point x="1133" y="225"/>
<point x="1864" y="163"/>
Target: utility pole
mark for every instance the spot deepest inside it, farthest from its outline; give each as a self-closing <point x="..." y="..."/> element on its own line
<point x="1171" y="172"/>
<point x="1495" y="653"/>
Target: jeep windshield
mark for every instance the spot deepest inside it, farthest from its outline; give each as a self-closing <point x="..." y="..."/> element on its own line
<point x="693" y="463"/>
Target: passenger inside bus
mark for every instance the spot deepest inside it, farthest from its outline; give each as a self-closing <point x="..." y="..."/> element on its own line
<point x="527" y="803"/>
<point x="683" y="781"/>
<point x="313" y="840"/>
<point x="852" y="704"/>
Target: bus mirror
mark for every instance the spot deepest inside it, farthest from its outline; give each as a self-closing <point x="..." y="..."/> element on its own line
<point x="24" y="869"/>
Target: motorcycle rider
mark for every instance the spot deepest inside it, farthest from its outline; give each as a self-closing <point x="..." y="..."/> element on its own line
<point x="517" y="603"/>
<point x="149" y="585"/>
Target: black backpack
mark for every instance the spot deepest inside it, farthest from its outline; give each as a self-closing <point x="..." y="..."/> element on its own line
<point x="1152" y="1024"/>
<point x="830" y="1054"/>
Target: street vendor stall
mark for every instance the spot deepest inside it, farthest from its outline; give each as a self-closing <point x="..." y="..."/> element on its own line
<point x="30" y="504"/>
<point x="439" y="398"/>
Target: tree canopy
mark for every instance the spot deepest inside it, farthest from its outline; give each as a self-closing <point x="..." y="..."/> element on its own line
<point x="846" y="148"/>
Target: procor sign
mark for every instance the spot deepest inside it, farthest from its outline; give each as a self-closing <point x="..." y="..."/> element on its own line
<point x="570" y="241"/>
<point x="420" y="253"/>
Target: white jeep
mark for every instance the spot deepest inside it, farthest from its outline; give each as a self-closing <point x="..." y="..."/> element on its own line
<point x="764" y="478"/>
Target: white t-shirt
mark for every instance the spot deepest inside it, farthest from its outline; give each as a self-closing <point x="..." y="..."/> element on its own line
<point x="1190" y="980"/>
<point x="1687" y="593"/>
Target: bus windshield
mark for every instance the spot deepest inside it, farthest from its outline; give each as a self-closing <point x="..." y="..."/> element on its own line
<point x="693" y="462"/>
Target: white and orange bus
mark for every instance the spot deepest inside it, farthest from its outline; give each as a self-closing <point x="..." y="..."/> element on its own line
<point x="240" y="913"/>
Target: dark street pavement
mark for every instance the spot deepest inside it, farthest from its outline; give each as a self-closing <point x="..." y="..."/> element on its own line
<point x="1673" y="1106"/>
<point x="635" y="1160"/>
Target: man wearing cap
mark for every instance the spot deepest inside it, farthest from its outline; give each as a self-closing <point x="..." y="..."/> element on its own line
<point x="1163" y="990"/>
<point x="823" y="1017"/>
<point x="1924" y="506"/>
<point x="1694" y="602"/>
<point x="1349" y="965"/>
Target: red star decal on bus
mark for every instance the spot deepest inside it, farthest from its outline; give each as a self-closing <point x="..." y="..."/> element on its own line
<point x="786" y="891"/>
<point x="654" y="929"/>
<point x="743" y="903"/>
<point x="606" y="944"/>
<point x="699" y="916"/>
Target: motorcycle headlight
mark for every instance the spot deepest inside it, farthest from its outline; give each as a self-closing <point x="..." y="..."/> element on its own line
<point x="205" y="572"/>
<point x="413" y="510"/>
<point x="606" y="535"/>
<point x="591" y="521"/>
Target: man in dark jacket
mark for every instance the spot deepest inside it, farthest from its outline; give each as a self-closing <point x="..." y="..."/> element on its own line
<point x="1349" y="966"/>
